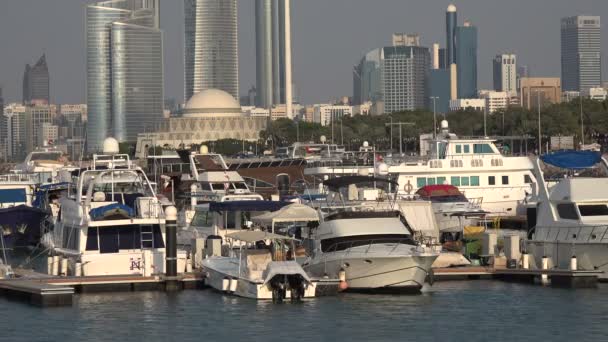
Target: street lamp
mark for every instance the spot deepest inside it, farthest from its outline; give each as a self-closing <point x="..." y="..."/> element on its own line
<point x="582" y="122"/>
<point x="540" y="146"/>
<point x="434" y="98"/>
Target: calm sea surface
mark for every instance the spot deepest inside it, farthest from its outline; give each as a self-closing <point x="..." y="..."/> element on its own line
<point x="451" y="311"/>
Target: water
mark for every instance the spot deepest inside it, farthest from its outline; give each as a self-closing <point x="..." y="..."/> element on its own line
<point x="452" y="311"/>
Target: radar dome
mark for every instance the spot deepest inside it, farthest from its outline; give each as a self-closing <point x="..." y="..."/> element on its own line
<point x="110" y="146"/>
<point x="382" y="169"/>
<point x="204" y="149"/>
<point x="444" y="124"/>
<point x="365" y="144"/>
<point x="323" y="139"/>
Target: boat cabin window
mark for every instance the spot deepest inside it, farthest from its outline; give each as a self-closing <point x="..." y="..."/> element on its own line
<point x="567" y="211"/>
<point x="113" y="239"/>
<point x="240" y="186"/>
<point x="527" y="179"/>
<point x="458" y="149"/>
<point x="346" y="242"/>
<point x="442" y="147"/>
<point x="467" y="149"/>
<point x="202" y="219"/>
<point x="505" y="180"/>
<point x="46" y="156"/>
<point x="464" y="181"/>
<point x="218" y="186"/>
<point x="474" y="180"/>
<point x="71" y="238"/>
<point x="593" y="209"/>
<point x="455" y="181"/>
<point x="482" y="149"/>
<point x="491" y="180"/>
<point x="421" y="182"/>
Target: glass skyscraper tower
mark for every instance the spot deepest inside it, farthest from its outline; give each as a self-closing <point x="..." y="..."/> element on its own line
<point x="211" y="46"/>
<point x="36" y="83"/>
<point x="124" y="69"/>
<point x="581" y="53"/>
<point x="466" y="60"/>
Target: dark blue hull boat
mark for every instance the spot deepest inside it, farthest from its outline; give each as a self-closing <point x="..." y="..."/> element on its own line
<point x="21" y="226"/>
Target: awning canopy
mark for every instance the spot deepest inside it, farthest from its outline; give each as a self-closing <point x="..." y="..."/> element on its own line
<point x="438" y="190"/>
<point x="251" y="236"/>
<point x="247" y="206"/>
<point x="337" y="183"/>
<point x="572" y="159"/>
<point x="290" y="213"/>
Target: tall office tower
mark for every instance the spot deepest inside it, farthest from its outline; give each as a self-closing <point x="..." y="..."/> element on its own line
<point x="211" y="58"/>
<point x="581" y="53"/>
<point x="36" y="83"/>
<point x="3" y="130"/>
<point x="405" y="39"/>
<point x="124" y="69"/>
<point x="451" y="21"/>
<point x="263" y="45"/>
<point x="505" y="73"/>
<point x="443" y="59"/>
<point x="273" y="52"/>
<point x="367" y="77"/>
<point x="466" y="56"/>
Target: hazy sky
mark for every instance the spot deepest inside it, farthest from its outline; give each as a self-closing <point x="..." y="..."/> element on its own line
<point x="329" y="37"/>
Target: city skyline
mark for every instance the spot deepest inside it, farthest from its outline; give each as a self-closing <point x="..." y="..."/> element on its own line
<point x="323" y="59"/>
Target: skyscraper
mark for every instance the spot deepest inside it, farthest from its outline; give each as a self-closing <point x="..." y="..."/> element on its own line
<point x="505" y="73"/>
<point x="405" y="73"/>
<point x="124" y="69"/>
<point x="581" y="53"/>
<point x="273" y="52"/>
<point x="466" y="60"/>
<point x="211" y="46"/>
<point x="451" y="21"/>
<point x="36" y="83"/>
<point x="367" y="78"/>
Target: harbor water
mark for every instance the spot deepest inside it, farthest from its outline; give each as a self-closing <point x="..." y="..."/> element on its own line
<point x="450" y="311"/>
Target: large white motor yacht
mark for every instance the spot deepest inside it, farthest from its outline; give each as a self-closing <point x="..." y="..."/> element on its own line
<point x="475" y="165"/>
<point x="366" y="236"/>
<point x="571" y="211"/>
<point x="111" y="223"/>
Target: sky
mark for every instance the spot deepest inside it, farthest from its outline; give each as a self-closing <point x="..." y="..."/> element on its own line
<point x="329" y="37"/>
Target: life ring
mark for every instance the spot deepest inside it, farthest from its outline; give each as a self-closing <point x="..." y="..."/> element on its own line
<point x="408" y="187"/>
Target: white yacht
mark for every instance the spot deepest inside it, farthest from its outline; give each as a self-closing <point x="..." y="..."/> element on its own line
<point x="46" y="163"/>
<point x="259" y="273"/>
<point x="111" y="222"/>
<point x="365" y="236"/>
<point x="475" y="165"/>
<point x="571" y="211"/>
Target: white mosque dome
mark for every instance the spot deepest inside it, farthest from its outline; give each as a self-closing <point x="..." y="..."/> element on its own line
<point x="212" y="101"/>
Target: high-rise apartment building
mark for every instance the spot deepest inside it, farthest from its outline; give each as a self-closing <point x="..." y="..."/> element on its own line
<point x="581" y="53"/>
<point x="124" y="69"/>
<point x="36" y="83"/>
<point x="396" y="76"/>
<point x="466" y="60"/>
<point x="211" y="46"/>
<point x="273" y="52"/>
<point x="505" y="73"/>
<point x="14" y="120"/>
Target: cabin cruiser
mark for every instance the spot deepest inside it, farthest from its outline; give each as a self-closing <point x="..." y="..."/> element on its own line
<point x="21" y="221"/>
<point x="260" y="269"/>
<point x="362" y="233"/>
<point x="453" y="210"/>
<point x="48" y="164"/>
<point x="475" y="165"/>
<point x="111" y="222"/>
<point x="571" y="211"/>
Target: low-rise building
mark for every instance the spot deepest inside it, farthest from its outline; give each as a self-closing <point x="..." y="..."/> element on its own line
<point x="324" y="114"/>
<point x="540" y="90"/>
<point x="463" y="104"/>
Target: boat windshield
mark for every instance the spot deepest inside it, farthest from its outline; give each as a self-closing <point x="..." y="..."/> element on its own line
<point x="45" y="156"/>
<point x="347" y="242"/>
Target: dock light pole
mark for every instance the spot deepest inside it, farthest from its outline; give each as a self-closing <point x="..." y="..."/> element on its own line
<point x="434" y="98"/>
<point x="540" y="142"/>
<point x="171" y="283"/>
<point x="582" y="122"/>
<point x="400" y="124"/>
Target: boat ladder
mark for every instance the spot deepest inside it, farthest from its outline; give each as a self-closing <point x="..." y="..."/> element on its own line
<point x="147" y="236"/>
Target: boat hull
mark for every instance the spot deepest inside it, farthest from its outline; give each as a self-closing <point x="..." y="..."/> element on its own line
<point x="590" y="256"/>
<point x="391" y="274"/>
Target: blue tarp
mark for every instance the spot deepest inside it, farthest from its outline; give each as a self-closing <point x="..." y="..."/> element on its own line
<point x="116" y="208"/>
<point x="247" y="206"/>
<point x="572" y="159"/>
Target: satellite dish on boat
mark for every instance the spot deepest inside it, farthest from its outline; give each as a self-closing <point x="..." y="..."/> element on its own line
<point x="444" y="124"/>
<point x="365" y="144"/>
<point x="110" y="146"/>
<point x="204" y="149"/>
<point x="323" y="139"/>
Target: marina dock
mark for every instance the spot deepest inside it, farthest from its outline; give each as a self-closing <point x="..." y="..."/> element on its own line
<point x="552" y="277"/>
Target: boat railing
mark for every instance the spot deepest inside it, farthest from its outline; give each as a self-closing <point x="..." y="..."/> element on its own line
<point x="21" y="178"/>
